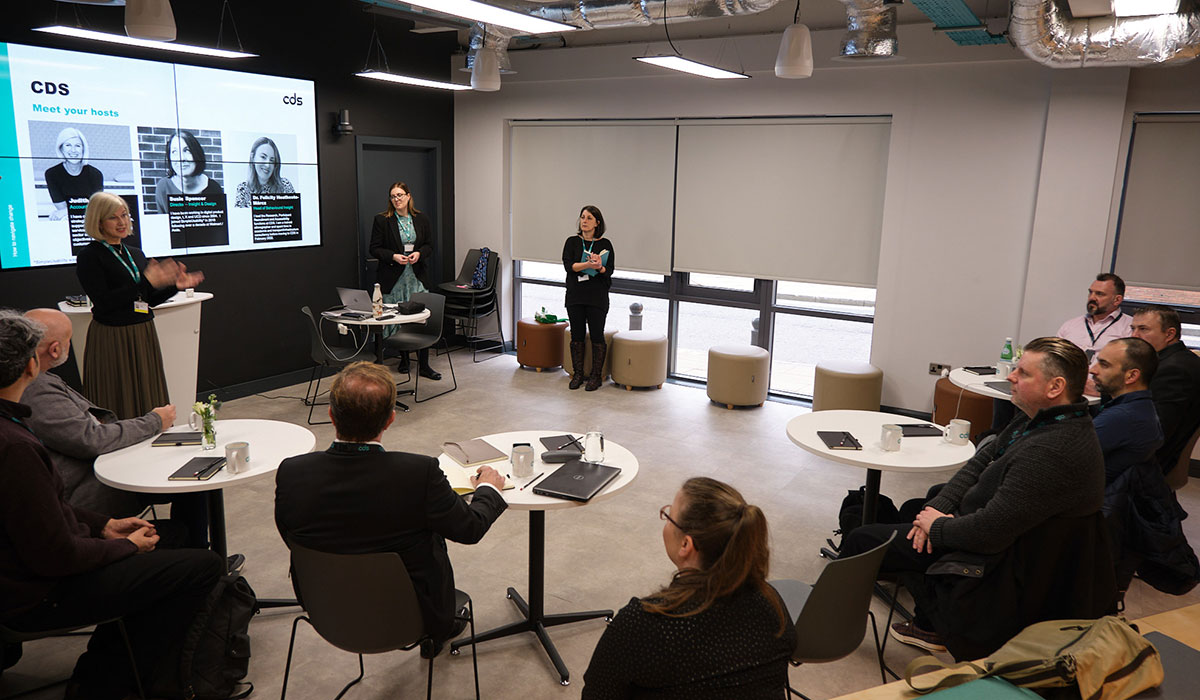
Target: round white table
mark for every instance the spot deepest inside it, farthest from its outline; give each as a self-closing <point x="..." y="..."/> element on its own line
<point x="916" y="454"/>
<point x="536" y="620"/>
<point x="374" y="326"/>
<point x="144" y="469"/>
<point x="978" y="384"/>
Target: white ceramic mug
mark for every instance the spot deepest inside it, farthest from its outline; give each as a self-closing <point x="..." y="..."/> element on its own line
<point x="521" y="460"/>
<point x="237" y="457"/>
<point x="958" y="431"/>
<point x="593" y="447"/>
<point x="1003" y="369"/>
<point x="889" y="437"/>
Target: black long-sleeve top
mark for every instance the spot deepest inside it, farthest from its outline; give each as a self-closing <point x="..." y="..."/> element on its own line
<point x="42" y="537"/>
<point x="593" y="291"/>
<point x="731" y="650"/>
<point x="1176" y="392"/>
<point x="112" y="289"/>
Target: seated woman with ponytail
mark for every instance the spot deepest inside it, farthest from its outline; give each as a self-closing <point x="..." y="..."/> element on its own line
<point x="718" y="630"/>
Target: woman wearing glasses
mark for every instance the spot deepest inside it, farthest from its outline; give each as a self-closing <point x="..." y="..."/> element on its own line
<point x="122" y="364"/>
<point x="589" y="260"/>
<point x="402" y="243"/>
<point x="717" y="630"/>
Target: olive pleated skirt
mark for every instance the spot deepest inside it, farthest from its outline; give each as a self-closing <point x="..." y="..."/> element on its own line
<point x="123" y="369"/>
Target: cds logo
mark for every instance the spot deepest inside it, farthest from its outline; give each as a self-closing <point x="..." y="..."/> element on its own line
<point x="44" y="88"/>
<point x="293" y="99"/>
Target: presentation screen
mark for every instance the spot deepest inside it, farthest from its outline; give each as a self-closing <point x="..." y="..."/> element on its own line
<point x="208" y="160"/>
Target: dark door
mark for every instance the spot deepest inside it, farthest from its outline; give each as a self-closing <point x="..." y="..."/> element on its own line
<point x="417" y="163"/>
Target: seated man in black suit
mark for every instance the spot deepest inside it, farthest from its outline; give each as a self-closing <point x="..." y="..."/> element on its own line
<point x="358" y="498"/>
<point x="1176" y="386"/>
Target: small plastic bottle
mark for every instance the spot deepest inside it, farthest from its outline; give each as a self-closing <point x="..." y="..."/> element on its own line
<point x="1006" y="353"/>
<point x="377" y="302"/>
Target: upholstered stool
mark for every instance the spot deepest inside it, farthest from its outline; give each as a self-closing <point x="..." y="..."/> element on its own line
<point x="639" y="359"/>
<point x="539" y="345"/>
<point x="738" y="375"/>
<point x="847" y="384"/>
<point x="950" y="402"/>
<point x="587" y="352"/>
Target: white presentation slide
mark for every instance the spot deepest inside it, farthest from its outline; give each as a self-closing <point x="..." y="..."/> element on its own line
<point x="207" y="160"/>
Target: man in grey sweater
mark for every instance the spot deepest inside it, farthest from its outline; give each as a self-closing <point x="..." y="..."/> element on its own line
<point x="76" y="431"/>
<point x="1046" y="463"/>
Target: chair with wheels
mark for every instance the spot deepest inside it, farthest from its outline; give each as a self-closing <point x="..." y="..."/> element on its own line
<point x="12" y="639"/>
<point x="467" y="306"/>
<point x="831" y="614"/>
<point x="363" y="604"/>
<point x="416" y="336"/>
<point x="324" y="357"/>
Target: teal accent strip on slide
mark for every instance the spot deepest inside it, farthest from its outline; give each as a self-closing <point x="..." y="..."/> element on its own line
<point x="13" y="229"/>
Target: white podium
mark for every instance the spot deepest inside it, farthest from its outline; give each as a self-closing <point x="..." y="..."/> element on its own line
<point x="178" y="323"/>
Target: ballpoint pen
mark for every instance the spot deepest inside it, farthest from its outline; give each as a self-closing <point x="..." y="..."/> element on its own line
<point x="540" y="475"/>
<point x="573" y="441"/>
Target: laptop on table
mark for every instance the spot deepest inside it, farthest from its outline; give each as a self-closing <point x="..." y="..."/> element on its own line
<point x="577" y="481"/>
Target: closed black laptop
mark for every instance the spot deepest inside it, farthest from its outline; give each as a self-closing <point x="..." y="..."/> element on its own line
<point x="576" y="481"/>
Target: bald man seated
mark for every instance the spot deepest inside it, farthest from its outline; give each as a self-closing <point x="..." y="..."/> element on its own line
<point x="76" y="431"/>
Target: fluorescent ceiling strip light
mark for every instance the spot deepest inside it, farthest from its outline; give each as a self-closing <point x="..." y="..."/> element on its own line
<point x="489" y="14"/>
<point x="683" y="65"/>
<point x="1139" y="8"/>
<point x="144" y="43"/>
<point x="409" y="80"/>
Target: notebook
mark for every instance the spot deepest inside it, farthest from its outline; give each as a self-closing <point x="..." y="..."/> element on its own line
<point x="576" y="481"/>
<point x="555" y="443"/>
<point x="198" y="469"/>
<point x="460" y="479"/>
<point x="839" y="440"/>
<point x="471" y="453"/>
<point x="1003" y="387"/>
<point x="981" y="369"/>
<point x="176" y="440"/>
<point x="920" y="430"/>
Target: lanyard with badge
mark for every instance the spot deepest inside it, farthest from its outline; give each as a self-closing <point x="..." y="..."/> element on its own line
<point x="139" y="306"/>
<point x="1087" y="324"/>
<point x="354" y="448"/>
<point x="583" y="276"/>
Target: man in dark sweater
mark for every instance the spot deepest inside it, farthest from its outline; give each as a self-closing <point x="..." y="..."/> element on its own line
<point x="1176" y="385"/>
<point x="64" y="566"/>
<point x="1127" y="424"/>
<point x="357" y="498"/>
<point x="1045" y="463"/>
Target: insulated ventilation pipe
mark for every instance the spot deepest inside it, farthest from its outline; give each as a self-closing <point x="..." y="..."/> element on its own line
<point x="1048" y="34"/>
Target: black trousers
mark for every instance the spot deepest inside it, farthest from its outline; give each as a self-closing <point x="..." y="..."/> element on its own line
<point x="592" y="318"/>
<point x="157" y="594"/>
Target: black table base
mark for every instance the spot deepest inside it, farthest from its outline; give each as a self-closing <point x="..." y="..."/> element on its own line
<point x="536" y="620"/>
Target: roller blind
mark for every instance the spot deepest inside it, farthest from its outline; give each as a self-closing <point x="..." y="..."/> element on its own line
<point x="627" y="170"/>
<point x="798" y="200"/>
<point x="1158" y="241"/>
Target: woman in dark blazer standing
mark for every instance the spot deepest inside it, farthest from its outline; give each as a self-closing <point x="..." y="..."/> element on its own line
<point x="402" y="242"/>
<point x="589" y="260"/>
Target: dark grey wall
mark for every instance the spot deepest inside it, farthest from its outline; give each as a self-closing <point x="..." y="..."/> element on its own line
<point x="253" y="329"/>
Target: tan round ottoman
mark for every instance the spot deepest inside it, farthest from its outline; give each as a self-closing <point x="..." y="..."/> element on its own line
<point x="587" y="352"/>
<point x="738" y="375"/>
<point x="639" y="359"/>
<point x="539" y="345"/>
<point x="845" y="384"/>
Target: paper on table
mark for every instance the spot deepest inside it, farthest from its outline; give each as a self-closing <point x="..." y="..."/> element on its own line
<point x="460" y="478"/>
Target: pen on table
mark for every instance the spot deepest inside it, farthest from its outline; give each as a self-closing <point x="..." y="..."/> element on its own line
<point x="573" y="441"/>
<point x="540" y="475"/>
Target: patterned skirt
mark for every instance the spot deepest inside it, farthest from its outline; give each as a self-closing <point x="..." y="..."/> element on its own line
<point x="405" y="287"/>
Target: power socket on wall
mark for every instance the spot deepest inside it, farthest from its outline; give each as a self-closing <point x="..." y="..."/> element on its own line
<point x="935" y="368"/>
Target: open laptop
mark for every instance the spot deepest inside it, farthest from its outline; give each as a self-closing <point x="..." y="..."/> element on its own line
<point x="355" y="299"/>
<point x="577" y="481"/>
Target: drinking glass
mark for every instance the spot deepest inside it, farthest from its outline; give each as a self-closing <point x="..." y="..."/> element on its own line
<point x="593" y="447"/>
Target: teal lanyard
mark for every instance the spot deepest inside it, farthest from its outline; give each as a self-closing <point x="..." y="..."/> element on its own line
<point x="129" y="266"/>
<point x="1034" y="425"/>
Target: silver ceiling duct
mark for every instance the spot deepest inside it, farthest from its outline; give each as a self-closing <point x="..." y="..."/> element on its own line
<point x="605" y="14"/>
<point x="870" y="30"/>
<point x="1048" y="34"/>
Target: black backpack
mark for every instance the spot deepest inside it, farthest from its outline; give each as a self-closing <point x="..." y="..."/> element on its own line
<point x="216" y="651"/>
<point x="851" y="512"/>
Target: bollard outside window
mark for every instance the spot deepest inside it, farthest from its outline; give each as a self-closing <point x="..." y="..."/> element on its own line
<point x="635" y="316"/>
<point x="754" y="332"/>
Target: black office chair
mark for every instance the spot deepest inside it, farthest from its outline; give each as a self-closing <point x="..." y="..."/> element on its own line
<point x="324" y="357"/>
<point x="831" y="614"/>
<point x="467" y="306"/>
<point x="415" y="336"/>
<point x="363" y="604"/>
<point x="10" y="638"/>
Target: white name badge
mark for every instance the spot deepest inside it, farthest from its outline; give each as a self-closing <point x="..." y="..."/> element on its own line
<point x="583" y="278"/>
<point x="141" y="307"/>
<point x="409" y="247"/>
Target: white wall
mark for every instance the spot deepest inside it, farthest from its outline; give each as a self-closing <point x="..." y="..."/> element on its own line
<point x="994" y="161"/>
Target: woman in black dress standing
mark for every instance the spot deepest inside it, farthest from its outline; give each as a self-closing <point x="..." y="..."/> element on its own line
<point x="122" y="363"/>
<point x="402" y="242"/>
<point x="589" y="260"/>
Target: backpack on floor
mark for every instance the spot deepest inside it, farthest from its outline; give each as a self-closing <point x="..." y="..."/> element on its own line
<point x="216" y="651"/>
<point x="851" y="513"/>
<point x="1106" y="658"/>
